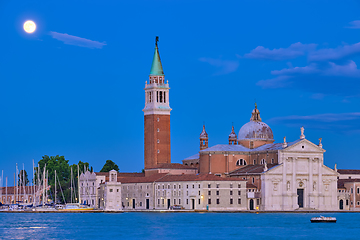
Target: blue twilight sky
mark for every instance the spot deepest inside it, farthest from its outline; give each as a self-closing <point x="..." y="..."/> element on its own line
<point x="75" y="86"/>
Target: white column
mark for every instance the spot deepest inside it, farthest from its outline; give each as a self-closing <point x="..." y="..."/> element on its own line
<point x="320" y="183"/>
<point x="284" y="191"/>
<point x="310" y="185"/>
<point x="294" y="188"/>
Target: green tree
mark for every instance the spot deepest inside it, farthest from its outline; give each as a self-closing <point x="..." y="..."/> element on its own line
<point x="109" y="165"/>
<point x="23" y="178"/>
<point x="63" y="175"/>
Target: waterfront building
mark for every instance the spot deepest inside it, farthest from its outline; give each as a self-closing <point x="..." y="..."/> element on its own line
<point x="163" y="191"/>
<point x="286" y="176"/>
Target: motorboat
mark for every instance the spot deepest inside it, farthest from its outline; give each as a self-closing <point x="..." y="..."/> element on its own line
<point x="323" y="219"/>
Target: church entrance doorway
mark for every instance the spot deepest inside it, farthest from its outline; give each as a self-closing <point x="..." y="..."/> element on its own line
<point x="147" y="204"/>
<point x="251" y="204"/>
<point x="341" y="204"/>
<point x="192" y="203"/>
<point x="168" y="203"/>
<point x="300" y="193"/>
<point x="133" y="203"/>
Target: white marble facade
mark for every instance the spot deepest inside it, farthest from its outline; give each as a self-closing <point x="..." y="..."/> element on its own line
<point x="301" y="181"/>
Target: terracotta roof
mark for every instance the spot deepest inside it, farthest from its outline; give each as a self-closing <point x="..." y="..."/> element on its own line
<point x="144" y="179"/>
<point x="341" y="182"/>
<point x="172" y="166"/>
<point x="10" y="190"/>
<point x="250" y="185"/>
<point x="121" y="174"/>
<point x="251" y="169"/>
<point x="348" y="171"/>
<point x="193" y="177"/>
<point x="165" y="177"/>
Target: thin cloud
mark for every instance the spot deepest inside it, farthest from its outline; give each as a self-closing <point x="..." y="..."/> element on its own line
<point x="338" y="53"/>
<point x="335" y="122"/>
<point x="223" y="66"/>
<point x="77" y="41"/>
<point x="293" y="51"/>
<point x="327" y="78"/>
<point x="354" y="24"/>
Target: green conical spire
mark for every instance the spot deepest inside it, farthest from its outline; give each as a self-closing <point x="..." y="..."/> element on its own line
<point x="156" y="67"/>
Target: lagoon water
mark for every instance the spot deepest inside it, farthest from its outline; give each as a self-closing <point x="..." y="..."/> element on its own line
<point x="176" y="226"/>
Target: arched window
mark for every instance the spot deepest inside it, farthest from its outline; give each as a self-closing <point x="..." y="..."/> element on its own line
<point x="262" y="161"/>
<point x="254" y="161"/>
<point x="241" y="162"/>
<point x="272" y="160"/>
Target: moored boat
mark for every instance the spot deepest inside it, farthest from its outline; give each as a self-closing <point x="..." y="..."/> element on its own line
<point x="323" y="219"/>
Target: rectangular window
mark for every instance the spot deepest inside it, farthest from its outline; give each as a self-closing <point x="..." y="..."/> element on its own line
<point x="209" y="185"/>
<point x="111" y="190"/>
<point x="140" y="204"/>
<point x="199" y="193"/>
<point x="239" y="185"/>
<point x="174" y="201"/>
<point x="209" y="193"/>
<point x="179" y="186"/>
<point x="358" y="190"/>
<point x="351" y="189"/>
<point x="230" y="192"/>
<point x="117" y="190"/>
<point x="258" y="202"/>
<point x="162" y="201"/>
<point x="199" y="185"/>
<point x="174" y="186"/>
<point x="128" y="203"/>
<point x="239" y="192"/>
<point x="231" y="201"/>
<point x="158" y="201"/>
<point x="193" y="186"/>
<point x="347" y="202"/>
<point x="187" y="193"/>
<point x="231" y="185"/>
<point x="187" y="201"/>
<point x="199" y="200"/>
<point x="358" y="203"/>
<point x="217" y="201"/>
<point x="179" y="201"/>
<point x="217" y="185"/>
<point x="239" y="201"/>
<point x="187" y="186"/>
<point x="209" y="201"/>
<point x="217" y="193"/>
<point x="164" y="97"/>
<point x="157" y="96"/>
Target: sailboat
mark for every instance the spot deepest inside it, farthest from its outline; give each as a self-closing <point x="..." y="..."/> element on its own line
<point x="76" y="206"/>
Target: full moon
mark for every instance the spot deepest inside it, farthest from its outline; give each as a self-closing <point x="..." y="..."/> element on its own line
<point x="29" y="26"/>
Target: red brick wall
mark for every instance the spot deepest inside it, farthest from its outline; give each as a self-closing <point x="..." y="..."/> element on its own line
<point x="151" y="137"/>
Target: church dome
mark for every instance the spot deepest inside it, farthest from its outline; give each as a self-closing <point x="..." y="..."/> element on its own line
<point x="255" y="129"/>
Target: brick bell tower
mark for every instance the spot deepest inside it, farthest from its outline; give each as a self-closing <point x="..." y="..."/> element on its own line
<point x="156" y="115"/>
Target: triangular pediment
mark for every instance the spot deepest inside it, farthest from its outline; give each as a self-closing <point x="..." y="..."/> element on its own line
<point x="303" y="145"/>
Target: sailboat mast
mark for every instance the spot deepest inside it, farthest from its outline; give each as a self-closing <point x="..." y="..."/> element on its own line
<point x="24" y="182"/>
<point x="79" y="185"/>
<point x="44" y="185"/>
<point x="6" y="191"/>
<point x="33" y="182"/>
<point x="55" y="189"/>
<point x="71" y="186"/>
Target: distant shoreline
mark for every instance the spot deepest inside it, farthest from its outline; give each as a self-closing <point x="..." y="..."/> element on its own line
<point x="180" y="211"/>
